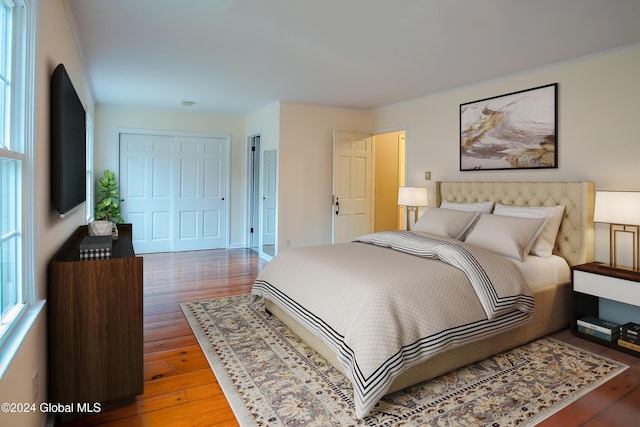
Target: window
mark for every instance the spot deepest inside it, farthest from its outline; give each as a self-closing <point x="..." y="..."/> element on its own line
<point x="89" y="205"/>
<point x="16" y="144"/>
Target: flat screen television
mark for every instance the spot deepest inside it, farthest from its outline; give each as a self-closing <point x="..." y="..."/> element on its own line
<point x="68" y="144"/>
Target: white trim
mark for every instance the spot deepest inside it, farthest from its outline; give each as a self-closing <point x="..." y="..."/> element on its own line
<point x="8" y="3"/>
<point x="30" y="204"/>
<point x="248" y="190"/>
<point x="13" y="342"/>
<point x="174" y="133"/>
<point x="90" y="172"/>
<point x="391" y="129"/>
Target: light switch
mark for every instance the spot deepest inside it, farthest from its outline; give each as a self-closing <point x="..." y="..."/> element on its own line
<point x="427" y="175"/>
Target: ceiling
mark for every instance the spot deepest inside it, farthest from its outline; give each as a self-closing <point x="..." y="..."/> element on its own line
<point x="236" y="56"/>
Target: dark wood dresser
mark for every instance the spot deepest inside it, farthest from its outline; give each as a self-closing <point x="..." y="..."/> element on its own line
<point x="95" y="323"/>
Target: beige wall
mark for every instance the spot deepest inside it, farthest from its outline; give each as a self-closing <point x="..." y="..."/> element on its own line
<point x="597" y="129"/>
<point x="54" y="44"/>
<point x="111" y="120"/>
<point x="305" y="169"/>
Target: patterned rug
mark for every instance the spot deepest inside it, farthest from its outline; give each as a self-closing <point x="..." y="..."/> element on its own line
<point x="270" y="377"/>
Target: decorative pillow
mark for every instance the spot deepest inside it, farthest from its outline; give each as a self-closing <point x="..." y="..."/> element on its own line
<point x="445" y="222"/>
<point x="484" y="207"/>
<point x="481" y="207"/>
<point x="543" y="246"/>
<point x="506" y="235"/>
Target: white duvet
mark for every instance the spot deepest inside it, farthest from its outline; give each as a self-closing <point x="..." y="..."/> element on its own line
<point x="389" y="301"/>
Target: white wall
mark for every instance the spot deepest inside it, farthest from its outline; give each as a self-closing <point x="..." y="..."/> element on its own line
<point x="266" y="122"/>
<point x="55" y="44"/>
<point x="597" y="126"/>
<point x="110" y="120"/>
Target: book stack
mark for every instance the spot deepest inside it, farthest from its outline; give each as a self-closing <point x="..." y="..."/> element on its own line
<point x="603" y="329"/>
<point x="629" y="336"/>
<point x="95" y="247"/>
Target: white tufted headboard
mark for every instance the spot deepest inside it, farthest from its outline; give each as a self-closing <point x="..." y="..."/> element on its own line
<point x="575" y="237"/>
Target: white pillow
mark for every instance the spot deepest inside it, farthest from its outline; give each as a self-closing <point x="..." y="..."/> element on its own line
<point x="506" y="235"/>
<point x="445" y="222"/>
<point x="484" y="207"/>
<point x="543" y="246"/>
<point x="481" y="207"/>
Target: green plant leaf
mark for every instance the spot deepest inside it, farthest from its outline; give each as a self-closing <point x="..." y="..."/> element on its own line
<point x="108" y="198"/>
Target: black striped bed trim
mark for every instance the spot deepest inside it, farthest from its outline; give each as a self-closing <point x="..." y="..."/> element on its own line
<point x="369" y="390"/>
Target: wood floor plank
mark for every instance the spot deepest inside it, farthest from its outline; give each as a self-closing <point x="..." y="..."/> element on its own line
<point x="177" y="364"/>
<point x="169" y="343"/>
<point x="181" y="390"/>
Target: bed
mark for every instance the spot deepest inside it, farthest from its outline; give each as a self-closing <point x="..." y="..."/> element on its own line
<point x="348" y="301"/>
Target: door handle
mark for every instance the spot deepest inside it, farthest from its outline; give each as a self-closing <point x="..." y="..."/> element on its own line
<point x="337" y="205"/>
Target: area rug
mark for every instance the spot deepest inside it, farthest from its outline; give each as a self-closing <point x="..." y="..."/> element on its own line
<point x="270" y="377"/>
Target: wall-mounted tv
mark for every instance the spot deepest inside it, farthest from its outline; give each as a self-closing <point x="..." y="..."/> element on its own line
<point x="68" y="144"/>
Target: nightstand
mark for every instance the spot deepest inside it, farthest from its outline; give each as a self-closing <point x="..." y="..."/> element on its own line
<point x="593" y="281"/>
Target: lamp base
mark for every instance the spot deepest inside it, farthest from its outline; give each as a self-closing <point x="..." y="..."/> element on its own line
<point x="415" y="216"/>
<point x="614" y="230"/>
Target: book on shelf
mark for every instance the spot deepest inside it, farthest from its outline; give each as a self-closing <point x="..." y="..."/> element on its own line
<point x="631" y="329"/>
<point x="629" y="332"/>
<point x="610" y="337"/>
<point x="631" y="339"/>
<point x="604" y="326"/>
<point x="629" y="345"/>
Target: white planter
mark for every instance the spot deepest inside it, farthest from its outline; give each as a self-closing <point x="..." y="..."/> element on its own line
<point x="100" y="228"/>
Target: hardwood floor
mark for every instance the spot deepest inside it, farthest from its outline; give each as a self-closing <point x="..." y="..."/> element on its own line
<point x="181" y="390"/>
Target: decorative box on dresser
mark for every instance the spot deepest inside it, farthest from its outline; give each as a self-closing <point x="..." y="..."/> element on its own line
<point x="95" y="324"/>
<point x="593" y="281"/>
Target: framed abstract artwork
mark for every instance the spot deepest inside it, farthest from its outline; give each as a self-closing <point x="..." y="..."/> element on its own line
<point x="513" y="131"/>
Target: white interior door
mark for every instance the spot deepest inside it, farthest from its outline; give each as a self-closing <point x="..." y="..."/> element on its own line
<point x="351" y="185"/>
<point x="175" y="191"/>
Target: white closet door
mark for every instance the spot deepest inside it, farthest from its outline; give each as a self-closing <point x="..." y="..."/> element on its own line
<point x="175" y="191"/>
<point x="146" y="165"/>
<point x="201" y="199"/>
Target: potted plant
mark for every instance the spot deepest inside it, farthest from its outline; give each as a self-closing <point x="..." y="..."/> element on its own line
<point x="107" y="212"/>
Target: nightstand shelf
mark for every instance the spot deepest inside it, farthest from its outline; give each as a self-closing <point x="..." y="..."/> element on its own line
<point x="593" y="281"/>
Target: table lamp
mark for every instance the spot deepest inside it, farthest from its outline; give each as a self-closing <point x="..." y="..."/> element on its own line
<point x="621" y="210"/>
<point x="412" y="198"/>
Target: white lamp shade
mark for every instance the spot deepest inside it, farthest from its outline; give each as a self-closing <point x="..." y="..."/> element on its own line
<point x="413" y="196"/>
<point x="617" y="207"/>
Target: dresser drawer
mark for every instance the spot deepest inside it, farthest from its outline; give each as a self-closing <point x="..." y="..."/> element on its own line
<point x="613" y="288"/>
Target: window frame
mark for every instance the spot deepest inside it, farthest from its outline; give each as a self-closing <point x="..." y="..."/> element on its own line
<point x="90" y="202"/>
<point x="21" y="126"/>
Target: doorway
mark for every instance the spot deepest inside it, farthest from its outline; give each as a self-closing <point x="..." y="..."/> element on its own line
<point x="262" y="206"/>
<point x="367" y="171"/>
<point x="388" y="175"/>
<point x="254" y="193"/>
